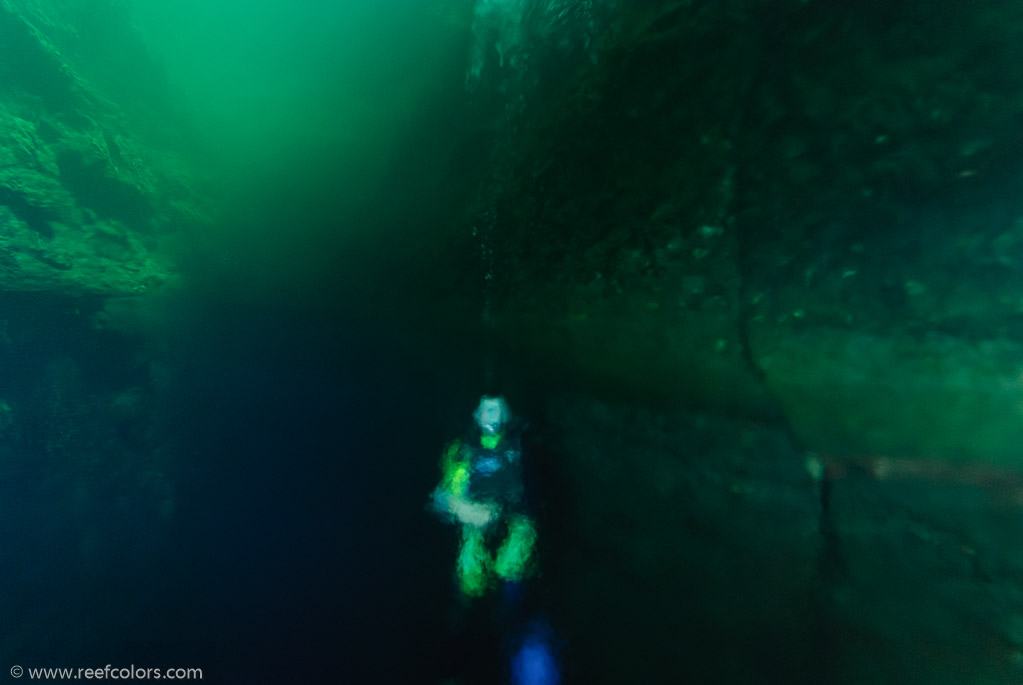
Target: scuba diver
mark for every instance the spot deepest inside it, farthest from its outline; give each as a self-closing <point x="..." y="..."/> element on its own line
<point x="481" y="489"/>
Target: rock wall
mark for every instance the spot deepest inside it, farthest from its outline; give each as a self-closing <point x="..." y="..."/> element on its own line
<point x="96" y="177"/>
<point x="772" y="246"/>
<point x="763" y="207"/>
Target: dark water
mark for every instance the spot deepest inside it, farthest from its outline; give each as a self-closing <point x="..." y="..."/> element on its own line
<point x="299" y="452"/>
<point x="307" y="544"/>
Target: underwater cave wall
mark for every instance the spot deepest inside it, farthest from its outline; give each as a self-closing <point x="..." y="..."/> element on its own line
<point x="98" y="178"/>
<point x="787" y="234"/>
<point x="774" y="208"/>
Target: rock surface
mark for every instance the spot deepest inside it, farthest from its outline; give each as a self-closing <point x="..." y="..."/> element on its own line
<point x="792" y="231"/>
<point x="748" y="204"/>
<point x="94" y="177"/>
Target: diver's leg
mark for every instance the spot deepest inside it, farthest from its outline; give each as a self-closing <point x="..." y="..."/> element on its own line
<point x="516" y="556"/>
<point x="474" y="565"/>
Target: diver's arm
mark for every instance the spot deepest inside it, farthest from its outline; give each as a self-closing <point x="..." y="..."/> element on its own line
<point x="472" y="513"/>
<point x="465" y="510"/>
<point x="451" y="495"/>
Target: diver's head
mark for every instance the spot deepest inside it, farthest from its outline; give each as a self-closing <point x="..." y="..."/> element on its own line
<point x="491" y="415"/>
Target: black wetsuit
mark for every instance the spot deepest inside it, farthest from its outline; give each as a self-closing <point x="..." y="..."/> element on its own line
<point x="495" y="476"/>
